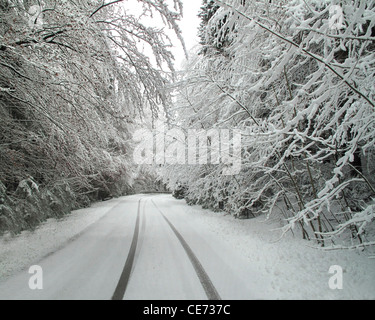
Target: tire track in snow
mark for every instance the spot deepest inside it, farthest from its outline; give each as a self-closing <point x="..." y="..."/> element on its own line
<point x="125" y="276"/>
<point x="204" y="279"/>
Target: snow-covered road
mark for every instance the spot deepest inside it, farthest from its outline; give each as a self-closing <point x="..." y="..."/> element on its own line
<point x="154" y="247"/>
<point x="145" y="247"/>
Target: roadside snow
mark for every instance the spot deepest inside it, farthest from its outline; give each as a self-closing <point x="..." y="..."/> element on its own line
<point x="296" y="269"/>
<point x="18" y="253"/>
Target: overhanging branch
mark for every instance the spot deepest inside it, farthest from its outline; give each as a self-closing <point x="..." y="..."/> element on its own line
<point x="304" y="51"/>
<point x="103" y="6"/>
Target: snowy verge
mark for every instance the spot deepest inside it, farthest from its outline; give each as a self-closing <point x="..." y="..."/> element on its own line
<point x="297" y="270"/>
<point x="20" y="252"/>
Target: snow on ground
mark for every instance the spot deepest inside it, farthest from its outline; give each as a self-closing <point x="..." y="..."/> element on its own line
<point x="294" y="269"/>
<point x="18" y="253"/>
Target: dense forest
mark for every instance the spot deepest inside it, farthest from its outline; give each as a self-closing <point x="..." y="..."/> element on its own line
<point x="295" y="77"/>
<point x="74" y="78"/>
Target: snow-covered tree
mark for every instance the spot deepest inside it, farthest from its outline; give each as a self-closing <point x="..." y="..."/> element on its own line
<point x="297" y="78"/>
<point x="74" y="77"/>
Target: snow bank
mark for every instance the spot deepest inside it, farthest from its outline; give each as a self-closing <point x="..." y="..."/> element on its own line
<point x="295" y="268"/>
<point x="18" y="253"/>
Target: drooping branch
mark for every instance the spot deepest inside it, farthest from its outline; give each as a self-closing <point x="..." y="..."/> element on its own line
<point x="304" y="51"/>
<point x="104" y="6"/>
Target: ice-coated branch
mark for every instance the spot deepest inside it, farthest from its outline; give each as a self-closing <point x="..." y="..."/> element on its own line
<point x="302" y="50"/>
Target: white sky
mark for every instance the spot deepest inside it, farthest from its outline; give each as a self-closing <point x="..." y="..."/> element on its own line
<point x="188" y="25"/>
